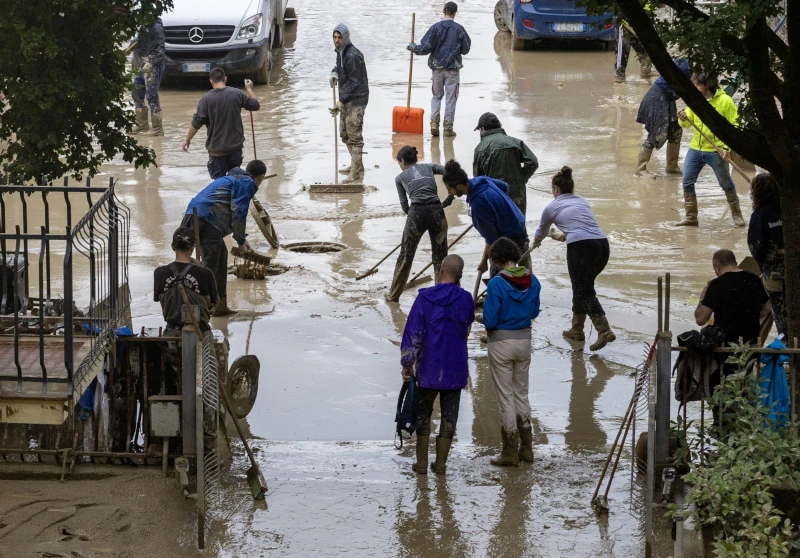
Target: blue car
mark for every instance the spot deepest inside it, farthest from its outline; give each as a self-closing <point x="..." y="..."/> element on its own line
<point x="536" y="20"/>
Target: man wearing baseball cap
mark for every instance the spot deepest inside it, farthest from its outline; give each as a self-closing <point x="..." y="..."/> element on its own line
<point x="446" y="42"/>
<point x="505" y="158"/>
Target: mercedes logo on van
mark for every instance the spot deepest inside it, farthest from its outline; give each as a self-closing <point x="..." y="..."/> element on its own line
<point x="195" y="34"/>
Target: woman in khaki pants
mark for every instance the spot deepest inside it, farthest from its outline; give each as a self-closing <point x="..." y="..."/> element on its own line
<point x="512" y="301"/>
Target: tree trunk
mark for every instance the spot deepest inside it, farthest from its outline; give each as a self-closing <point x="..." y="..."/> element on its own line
<point x="790" y="214"/>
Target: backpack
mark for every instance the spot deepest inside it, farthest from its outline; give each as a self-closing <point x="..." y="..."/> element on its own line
<point x="696" y="363"/>
<point x="406" y="417"/>
<point x="171" y="301"/>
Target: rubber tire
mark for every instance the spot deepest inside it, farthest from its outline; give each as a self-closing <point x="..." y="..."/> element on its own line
<point x="516" y="42"/>
<point x="278" y="37"/>
<point x="261" y="77"/>
<point x="499" y="17"/>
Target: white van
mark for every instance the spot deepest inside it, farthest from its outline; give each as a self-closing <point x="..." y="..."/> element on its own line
<point x="235" y="35"/>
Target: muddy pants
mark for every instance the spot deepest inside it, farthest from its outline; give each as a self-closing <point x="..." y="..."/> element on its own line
<point x="695" y="161"/>
<point x="775" y="284"/>
<point x="626" y="40"/>
<point x="449" y="401"/>
<point x="421" y="217"/>
<point x="147" y="87"/>
<point x="509" y="363"/>
<point x="351" y="125"/>
<point x="445" y="86"/>
<point x="215" y="253"/>
<point x="219" y="165"/>
<point x="586" y="259"/>
<point x="674" y="135"/>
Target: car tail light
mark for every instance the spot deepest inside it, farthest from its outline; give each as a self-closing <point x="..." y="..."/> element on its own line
<point x="608" y="25"/>
<point x="527" y="23"/>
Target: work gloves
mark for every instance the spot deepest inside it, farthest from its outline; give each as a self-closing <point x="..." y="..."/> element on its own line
<point x="556" y="234"/>
<point x="448" y="201"/>
<point x="334" y="78"/>
<point x="412" y="47"/>
<point x="536" y="243"/>
<point x="338" y="107"/>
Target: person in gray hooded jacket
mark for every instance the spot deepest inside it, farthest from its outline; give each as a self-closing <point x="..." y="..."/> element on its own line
<point x="350" y="73"/>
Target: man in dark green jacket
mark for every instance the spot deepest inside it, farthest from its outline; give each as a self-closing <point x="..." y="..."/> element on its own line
<point x="505" y="158"/>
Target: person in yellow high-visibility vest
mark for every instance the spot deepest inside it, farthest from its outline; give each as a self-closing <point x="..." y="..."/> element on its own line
<point x="702" y="152"/>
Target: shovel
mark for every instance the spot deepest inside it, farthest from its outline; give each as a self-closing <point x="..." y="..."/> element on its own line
<point x="417" y="280"/>
<point x="254" y="477"/>
<point x="406" y="119"/>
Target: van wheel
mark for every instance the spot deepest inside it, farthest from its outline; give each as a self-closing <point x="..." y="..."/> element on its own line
<point x="277" y="37"/>
<point x="262" y="75"/>
<point x="499" y="19"/>
<point x="516" y="42"/>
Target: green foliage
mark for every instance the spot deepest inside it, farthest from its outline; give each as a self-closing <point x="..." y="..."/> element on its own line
<point x="733" y="487"/>
<point x="62" y="70"/>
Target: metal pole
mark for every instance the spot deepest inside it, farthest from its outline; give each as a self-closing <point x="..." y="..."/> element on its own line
<point x="188" y="374"/>
<point x="651" y="432"/>
<point x="664" y="370"/>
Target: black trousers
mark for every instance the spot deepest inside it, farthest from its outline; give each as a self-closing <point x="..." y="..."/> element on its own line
<point x="218" y="166"/>
<point x="586" y="259"/>
<point x="421" y="218"/>
<point x="449" y="401"/>
<point x="215" y="253"/>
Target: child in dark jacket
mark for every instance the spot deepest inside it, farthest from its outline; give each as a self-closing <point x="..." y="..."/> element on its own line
<point x="512" y="301"/>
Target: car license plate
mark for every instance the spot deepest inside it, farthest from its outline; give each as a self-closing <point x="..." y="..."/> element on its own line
<point x="196" y="67"/>
<point x="568" y="27"/>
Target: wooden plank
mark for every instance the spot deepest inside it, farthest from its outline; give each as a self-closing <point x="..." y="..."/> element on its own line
<point x="32" y="410"/>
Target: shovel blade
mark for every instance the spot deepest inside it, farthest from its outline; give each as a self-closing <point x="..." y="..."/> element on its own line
<point x="601" y="504"/>
<point x="257" y="484"/>
<point x="416" y="282"/>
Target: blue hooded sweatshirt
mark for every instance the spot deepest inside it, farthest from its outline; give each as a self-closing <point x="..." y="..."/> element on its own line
<point x="224" y="203"/>
<point x="493" y="213"/>
<point x="512" y="301"/>
<point x="435" y="337"/>
<point x="773" y="385"/>
<point x="446" y="41"/>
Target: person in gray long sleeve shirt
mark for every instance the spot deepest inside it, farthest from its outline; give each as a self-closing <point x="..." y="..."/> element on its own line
<point x="419" y="199"/>
<point x="221" y="111"/>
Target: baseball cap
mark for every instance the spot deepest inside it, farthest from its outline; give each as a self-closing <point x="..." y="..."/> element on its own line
<point x="488" y="121"/>
<point x="451" y="7"/>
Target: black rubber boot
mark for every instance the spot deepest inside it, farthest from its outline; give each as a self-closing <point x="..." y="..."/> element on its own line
<point x="525" y="439"/>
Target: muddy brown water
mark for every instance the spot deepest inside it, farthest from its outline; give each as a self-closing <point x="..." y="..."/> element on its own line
<point x="328" y="345"/>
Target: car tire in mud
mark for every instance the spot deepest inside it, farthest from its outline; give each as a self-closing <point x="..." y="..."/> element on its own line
<point x="499" y="19"/>
<point x="278" y="36"/>
<point x="516" y="42"/>
<point x="261" y="76"/>
<point x="609" y="45"/>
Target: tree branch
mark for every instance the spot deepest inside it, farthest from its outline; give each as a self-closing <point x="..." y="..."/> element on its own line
<point x="753" y="148"/>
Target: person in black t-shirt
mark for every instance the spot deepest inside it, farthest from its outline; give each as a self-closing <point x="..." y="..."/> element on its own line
<point x="736" y="299"/>
<point x="198" y="281"/>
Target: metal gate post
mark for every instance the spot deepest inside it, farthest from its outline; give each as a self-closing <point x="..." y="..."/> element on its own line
<point x="189" y="344"/>
<point x="663" y="396"/>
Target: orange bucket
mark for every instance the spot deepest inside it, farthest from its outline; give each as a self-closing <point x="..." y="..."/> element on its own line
<point x="407" y="120"/>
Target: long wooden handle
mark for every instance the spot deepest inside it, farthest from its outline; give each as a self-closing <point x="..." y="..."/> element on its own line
<point x="448" y="247"/>
<point x="411" y="64"/>
<point x="477" y="286"/>
<point x="198" y="248"/>
<point x="719" y="149"/>
<point x="335" y="143"/>
<point x="373" y="268"/>
<point x="253" y="130"/>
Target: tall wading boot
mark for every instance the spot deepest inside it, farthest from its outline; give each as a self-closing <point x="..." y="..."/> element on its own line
<point x="346" y="170"/>
<point x="736" y="210"/>
<point x="356" y="168"/>
<point x="158" y="124"/>
<point x="222" y="309"/>
<point x="673" y="154"/>
<point x="690" y="203"/>
<point x="641" y="164"/>
<point x="525" y="439"/>
<point x="509" y="456"/>
<point x="435" y="128"/>
<point x="142" y="121"/>
<point x="604" y="333"/>
<point x="442" y="450"/>
<point x="421" y="465"/>
<point x="576" y="331"/>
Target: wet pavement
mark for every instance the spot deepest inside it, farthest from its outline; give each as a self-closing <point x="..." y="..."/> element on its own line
<point x="328" y="345"/>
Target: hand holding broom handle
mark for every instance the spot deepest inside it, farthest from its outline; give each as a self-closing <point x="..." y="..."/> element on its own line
<point x="411" y="64"/>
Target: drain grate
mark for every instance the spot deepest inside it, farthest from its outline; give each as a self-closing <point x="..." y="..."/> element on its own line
<point x="315" y="247"/>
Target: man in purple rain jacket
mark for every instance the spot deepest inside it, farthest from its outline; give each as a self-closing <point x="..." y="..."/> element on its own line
<point x="434" y="349"/>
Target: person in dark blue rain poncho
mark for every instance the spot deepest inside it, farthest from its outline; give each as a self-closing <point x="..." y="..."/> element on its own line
<point x="434" y="349"/>
<point x="222" y="208"/>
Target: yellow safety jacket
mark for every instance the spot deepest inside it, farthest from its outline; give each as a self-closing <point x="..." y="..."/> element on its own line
<point x="726" y="107"/>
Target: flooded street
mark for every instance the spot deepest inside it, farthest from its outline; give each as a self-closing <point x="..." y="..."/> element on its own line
<point x="329" y="346"/>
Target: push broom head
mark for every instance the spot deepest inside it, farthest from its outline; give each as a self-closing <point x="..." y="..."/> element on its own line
<point x="407" y="120"/>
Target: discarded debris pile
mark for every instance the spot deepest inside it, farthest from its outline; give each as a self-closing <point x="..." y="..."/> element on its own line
<point x="251" y="265"/>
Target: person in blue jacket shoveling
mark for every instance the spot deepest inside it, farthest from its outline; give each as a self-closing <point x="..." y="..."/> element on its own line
<point x="434" y="349"/>
<point x="222" y="209"/>
<point x="494" y="214"/>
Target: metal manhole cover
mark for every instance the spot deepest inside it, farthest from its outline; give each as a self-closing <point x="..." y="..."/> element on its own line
<point x="243" y="384"/>
<point x="315" y="247"/>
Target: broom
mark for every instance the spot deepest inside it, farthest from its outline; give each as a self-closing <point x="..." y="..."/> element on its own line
<point x="405" y="119"/>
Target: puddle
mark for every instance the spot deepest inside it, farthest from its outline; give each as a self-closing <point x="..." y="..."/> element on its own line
<point x="315" y="247"/>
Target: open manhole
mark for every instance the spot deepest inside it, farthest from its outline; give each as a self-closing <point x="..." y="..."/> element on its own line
<point x="315" y="247"/>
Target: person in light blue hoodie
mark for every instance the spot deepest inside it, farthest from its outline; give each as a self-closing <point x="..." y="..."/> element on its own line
<point x="512" y="301"/>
